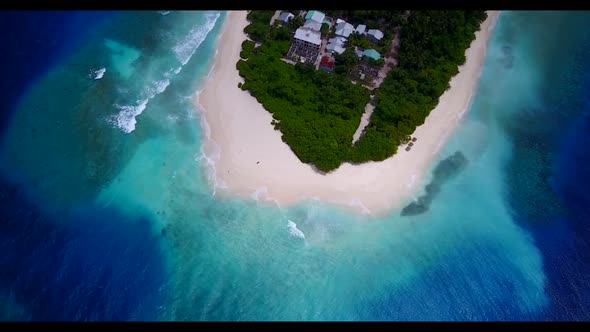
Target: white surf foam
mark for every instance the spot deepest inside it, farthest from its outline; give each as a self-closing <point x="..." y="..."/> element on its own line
<point x="294" y="231"/>
<point x="460" y="115"/>
<point x="208" y="161"/>
<point x="189" y="113"/>
<point x="97" y="74"/>
<point x="125" y="119"/>
<point x="164" y="12"/>
<point x="158" y="87"/>
<point x="212" y="65"/>
<point x="206" y="127"/>
<point x="185" y="49"/>
<point x="172" y="71"/>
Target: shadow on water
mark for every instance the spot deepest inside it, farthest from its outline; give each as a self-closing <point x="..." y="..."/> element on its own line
<point x="444" y="171"/>
<point x="88" y="264"/>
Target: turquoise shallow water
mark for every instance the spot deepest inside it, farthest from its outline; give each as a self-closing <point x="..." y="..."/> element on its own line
<point x="111" y="169"/>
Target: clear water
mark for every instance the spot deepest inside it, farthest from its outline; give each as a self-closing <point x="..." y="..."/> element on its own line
<point x="107" y="212"/>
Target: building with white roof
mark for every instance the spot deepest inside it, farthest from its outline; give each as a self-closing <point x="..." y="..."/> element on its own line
<point x="316" y="16"/>
<point x="360" y="29"/>
<point x="375" y="35"/>
<point x="308" y="35"/>
<point x="305" y="46"/>
<point x="285" y="17"/>
<point x="336" y="45"/>
<point x="312" y="25"/>
<point x="344" y="29"/>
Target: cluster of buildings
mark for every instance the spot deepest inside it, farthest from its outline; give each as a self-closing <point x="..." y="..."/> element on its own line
<point x="307" y="44"/>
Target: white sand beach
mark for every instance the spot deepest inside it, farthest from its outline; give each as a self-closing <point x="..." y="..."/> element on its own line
<point x="251" y="159"/>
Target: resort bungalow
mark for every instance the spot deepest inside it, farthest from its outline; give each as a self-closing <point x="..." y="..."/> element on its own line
<point x="285" y="17"/>
<point x="327" y="63"/>
<point x="344" y="29"/>
<point x="336" y="45"/>
<point x="360" y="29"/>
<point x="374" y="35"/>
<point x="372" y="53"/>
<point x="315" y="16"/>
<point x="305" y="46"/>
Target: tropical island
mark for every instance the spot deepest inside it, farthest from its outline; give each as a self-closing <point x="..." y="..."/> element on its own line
<point x="284" y="157"/>
<point x="321" y="74"/>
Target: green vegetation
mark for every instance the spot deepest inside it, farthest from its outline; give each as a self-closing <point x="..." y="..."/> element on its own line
<point x="373" y="19"/>
<point x="296" y="22"/>
<point x="374" y="62"/>
<point x="247" y="47"/>
<point x="318" y="112"/>
<point x="359" y="40"/>
<point x="259" y="24"/>
<point x="433" y="45"/>
<point x="384" y="44"/>
<point x="280" y="32"/>
<point x="345" y="62"/>
<point x="324" y="30"/>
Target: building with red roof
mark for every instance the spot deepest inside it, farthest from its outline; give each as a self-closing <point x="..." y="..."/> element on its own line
<point x="327" y="63"/>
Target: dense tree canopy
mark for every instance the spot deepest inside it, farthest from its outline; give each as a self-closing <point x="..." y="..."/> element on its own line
<point x="359" y="40"/>
<point x="318" y="112"/>
<point x="259" y="24"/>
<point x="433" y="45"/>
<point x="346" y="61"/>
<point x="373" y="19"/>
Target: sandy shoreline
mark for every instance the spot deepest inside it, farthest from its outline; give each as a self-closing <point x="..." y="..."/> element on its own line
<point x="247" y="156"/>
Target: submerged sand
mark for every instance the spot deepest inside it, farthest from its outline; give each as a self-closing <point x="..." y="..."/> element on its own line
<point x="248" y="158"/>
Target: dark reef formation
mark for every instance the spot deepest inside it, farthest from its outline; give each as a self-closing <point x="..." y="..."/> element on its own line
<point x="508" y="59"/>
<point x="444" y="171"/>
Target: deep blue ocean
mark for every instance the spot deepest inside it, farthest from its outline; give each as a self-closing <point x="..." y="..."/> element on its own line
<point x="54" y="257"/>
<point x="106" y="214"/>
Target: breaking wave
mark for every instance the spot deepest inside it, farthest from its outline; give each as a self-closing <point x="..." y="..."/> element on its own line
<point x="294" y="231"/>
<point x="125" y="119"/>
<point x="98" y="74"/>
<point x="185" y="49"/>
